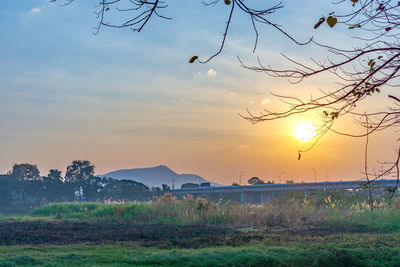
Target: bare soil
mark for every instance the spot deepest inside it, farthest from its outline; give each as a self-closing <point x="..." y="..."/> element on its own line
<point x="67" y="232"/>
<point x="156" y="235"/>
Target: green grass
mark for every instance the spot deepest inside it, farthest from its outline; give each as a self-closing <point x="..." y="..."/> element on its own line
<point x="379" y="220"/>
<point x="66" y="210"/>
<point x="332" y="250"/>
<point x="348" y="213"/>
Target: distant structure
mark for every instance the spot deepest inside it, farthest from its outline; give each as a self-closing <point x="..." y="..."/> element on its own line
<point x="261" y="193"/>
<point x="190" y="185"/>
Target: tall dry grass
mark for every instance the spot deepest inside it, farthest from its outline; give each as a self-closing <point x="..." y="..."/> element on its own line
<point x="295" y="212"/>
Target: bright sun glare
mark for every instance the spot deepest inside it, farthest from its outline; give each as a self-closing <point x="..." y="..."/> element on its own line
<point x="304" y="131"/>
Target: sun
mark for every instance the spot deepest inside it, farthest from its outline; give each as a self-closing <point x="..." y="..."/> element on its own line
<point x="304" y="131"/>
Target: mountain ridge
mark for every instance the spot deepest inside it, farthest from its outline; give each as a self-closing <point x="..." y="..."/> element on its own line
<point x="156" y="176"/>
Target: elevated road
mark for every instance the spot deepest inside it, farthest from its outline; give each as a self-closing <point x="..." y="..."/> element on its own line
<point x="263" y="192"/>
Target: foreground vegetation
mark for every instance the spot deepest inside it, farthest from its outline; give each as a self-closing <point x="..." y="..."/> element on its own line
<point x="345" y="212"/>
<point x="330" y="229"/>
<point x="331" y="250"/>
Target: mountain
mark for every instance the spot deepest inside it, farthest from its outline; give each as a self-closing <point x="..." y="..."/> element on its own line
<point x="156" y="176"/>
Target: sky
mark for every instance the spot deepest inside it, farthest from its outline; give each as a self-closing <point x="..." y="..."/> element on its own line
<point x="129" y="100"/>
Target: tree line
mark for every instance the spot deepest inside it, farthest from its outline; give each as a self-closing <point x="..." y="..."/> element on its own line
<point x="23" y="188"/>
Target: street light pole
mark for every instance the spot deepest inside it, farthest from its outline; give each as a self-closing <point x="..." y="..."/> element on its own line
<point x="240" y="177"/>
<point x="280" y="177"/>
<point x="315" y="174"/>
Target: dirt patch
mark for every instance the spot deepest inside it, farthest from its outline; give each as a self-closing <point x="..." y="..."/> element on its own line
<point x="67" y="232"/>
<point x="156" y="235"/>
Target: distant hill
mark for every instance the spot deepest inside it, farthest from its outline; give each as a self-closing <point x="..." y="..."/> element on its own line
<point x="156" y="176"/>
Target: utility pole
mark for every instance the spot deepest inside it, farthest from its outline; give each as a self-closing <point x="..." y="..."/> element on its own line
<point x="240" y="177"/>
<point x="173" y="183"/>
<point x="315" y="174"/>
<point x="280" y="177"/>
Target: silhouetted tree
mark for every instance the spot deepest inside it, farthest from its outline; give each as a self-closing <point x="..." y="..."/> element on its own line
<point x="165" y="188"/>
<point x="25" y="171"/>
<point x="54" y="176"/>
<point x="18" y="195"/>
<point x="54" y="188"/>
<point x="255" y="180"/>
<point x="79" y="171"/>
<point x="113" y="189"/>
<point x="78" y="176"/>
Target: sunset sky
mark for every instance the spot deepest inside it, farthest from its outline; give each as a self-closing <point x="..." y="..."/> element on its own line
<point x="128" y="100"/>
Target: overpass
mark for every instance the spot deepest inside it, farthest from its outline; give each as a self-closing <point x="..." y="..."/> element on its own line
<point x="264" y="192"/>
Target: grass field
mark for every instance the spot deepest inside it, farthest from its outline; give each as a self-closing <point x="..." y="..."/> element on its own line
<point x="301" y="250"/>
<point x="324" y="230"/>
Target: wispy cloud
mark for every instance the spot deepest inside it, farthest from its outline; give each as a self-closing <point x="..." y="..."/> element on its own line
<point x="232" y="93"/>
<point x="35" y="10"/>
<point x="211" y="72"/>
<point x="243" y="146"/>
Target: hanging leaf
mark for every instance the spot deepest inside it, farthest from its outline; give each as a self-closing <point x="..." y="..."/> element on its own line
<point x="334" y="115"/>
<point x="193" y="59"/>
<point x="372" y="65"/>
<point x="355" y="26"/>
<point x="331" y="21"/>
<point x="321" y="20"/>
